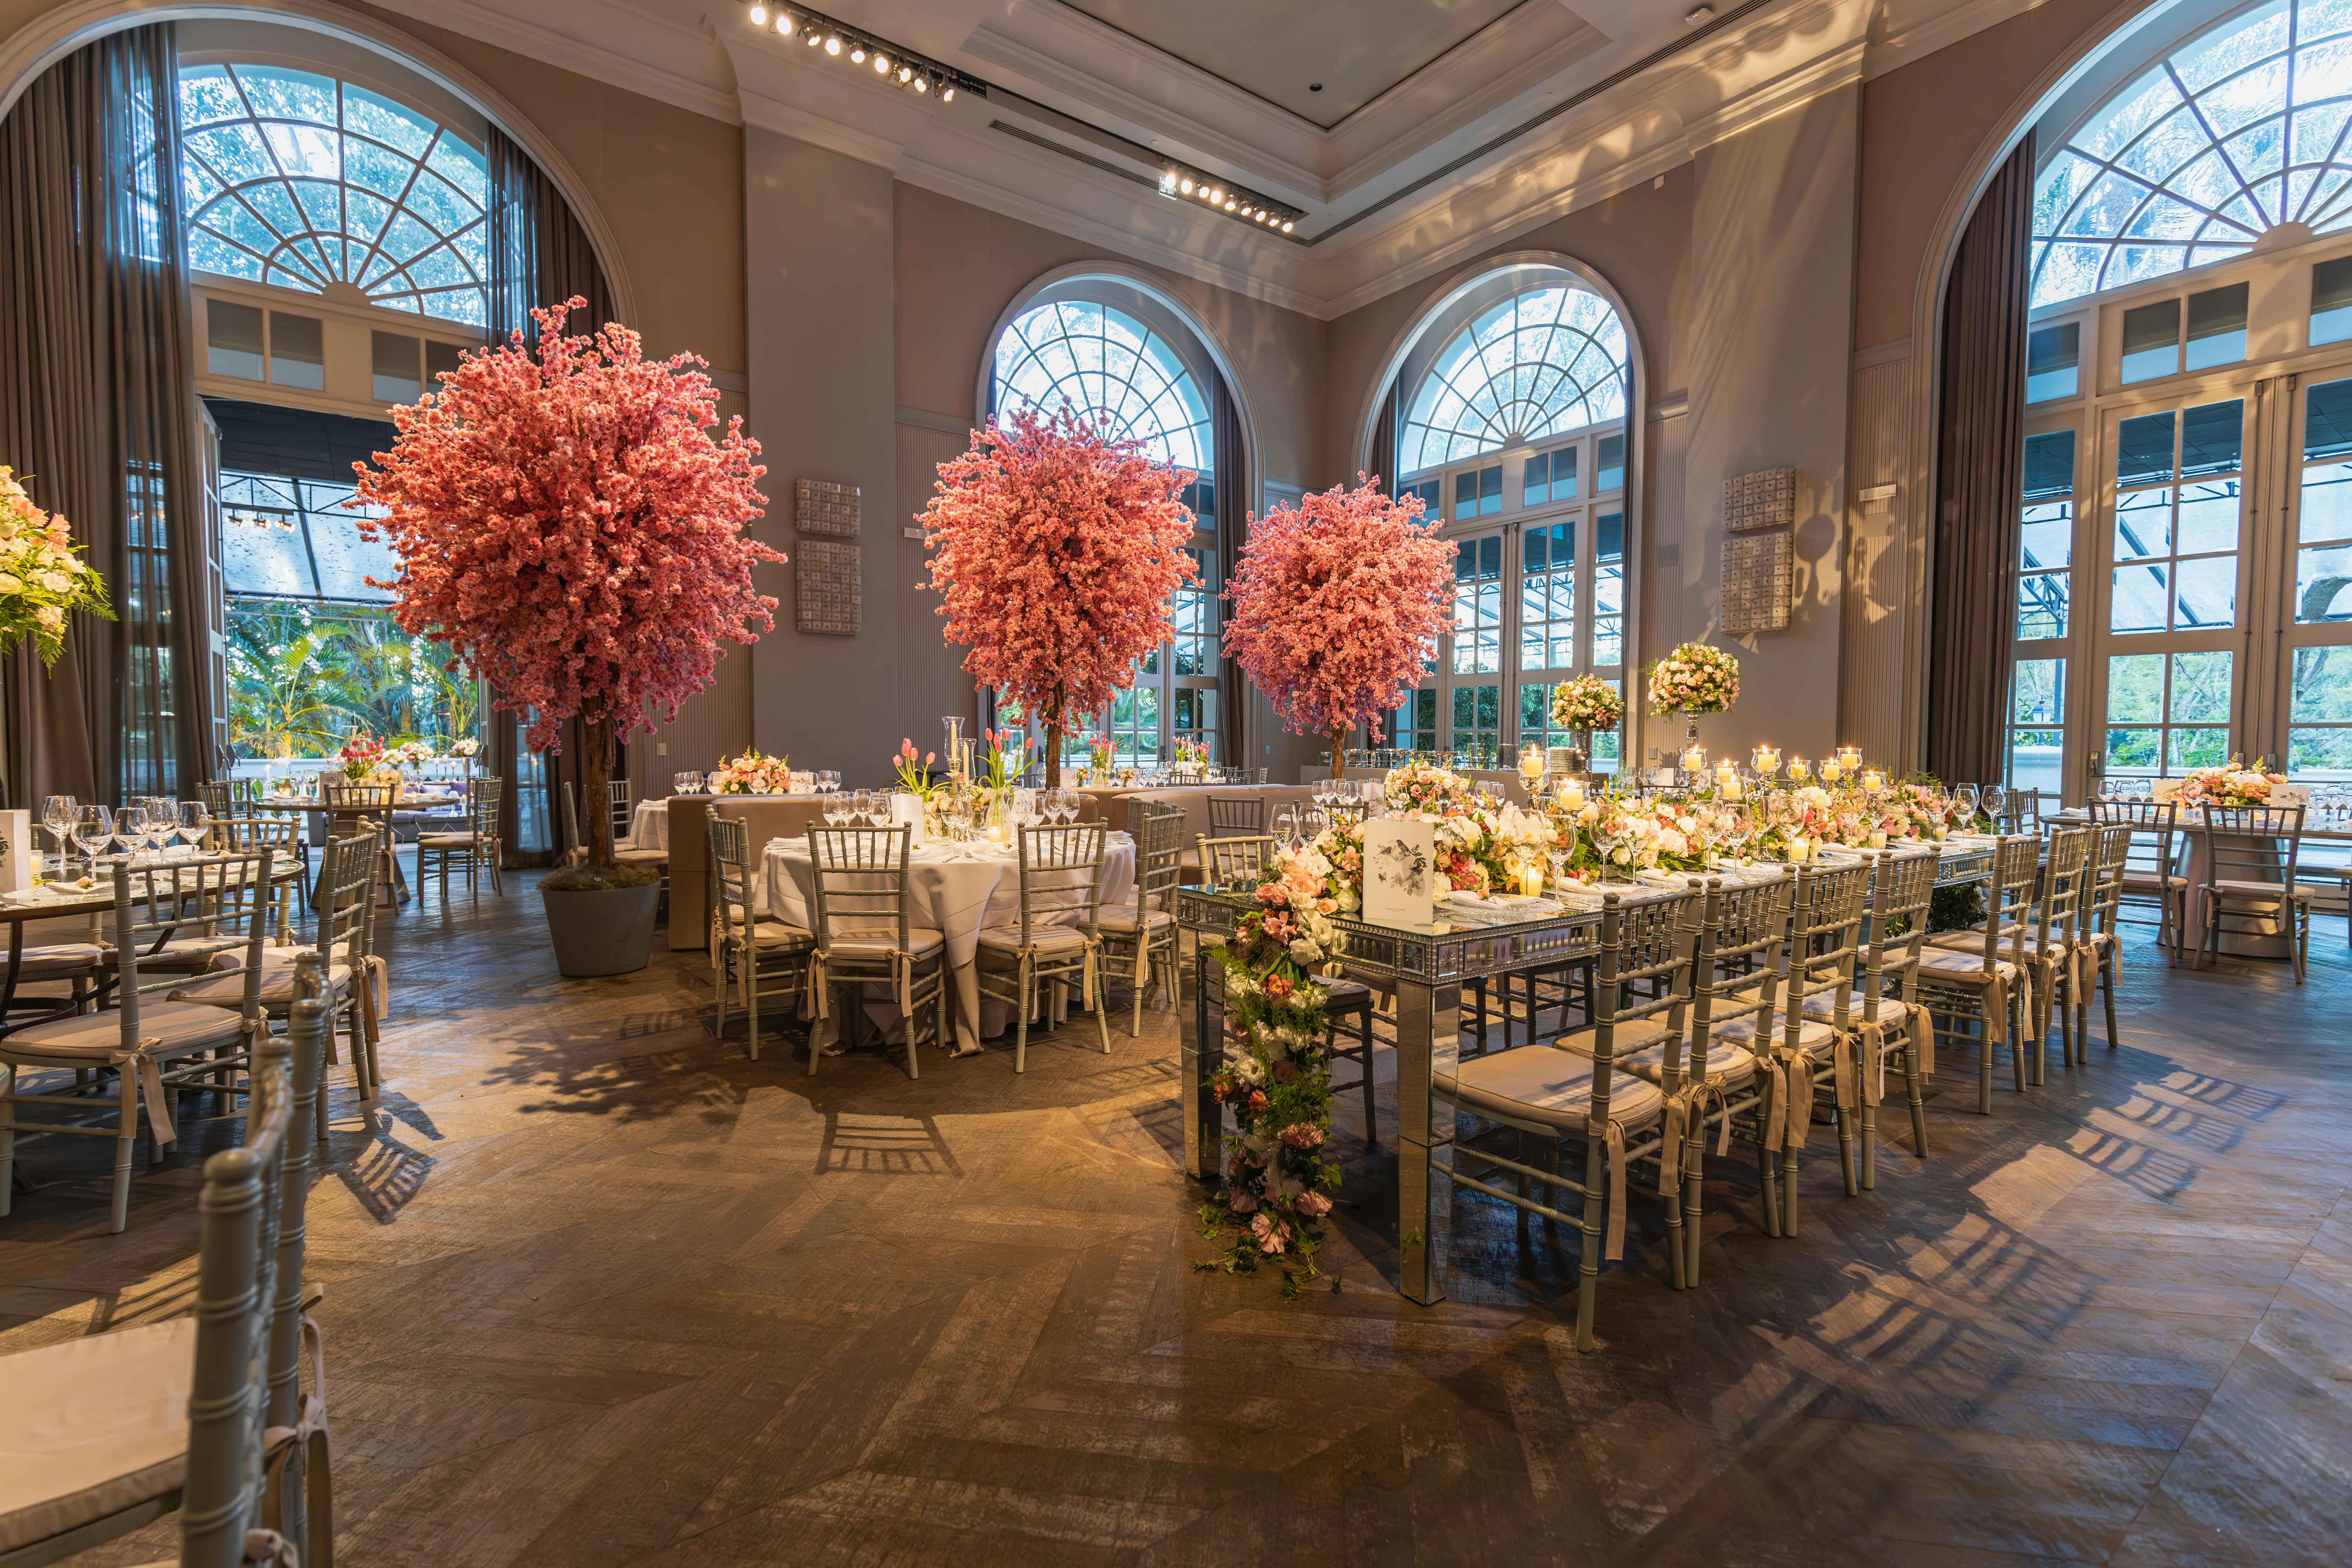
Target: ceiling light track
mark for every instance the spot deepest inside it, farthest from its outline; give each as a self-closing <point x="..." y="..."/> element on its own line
<point x="856" y="48"/>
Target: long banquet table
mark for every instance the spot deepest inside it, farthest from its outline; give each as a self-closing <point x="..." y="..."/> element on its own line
<point x="1427" y="967"/>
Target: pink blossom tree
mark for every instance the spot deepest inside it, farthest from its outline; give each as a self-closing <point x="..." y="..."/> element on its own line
<point x="569" y="531"/>
<point x="1056" y="547"/>
<point x="1335" y="601"/>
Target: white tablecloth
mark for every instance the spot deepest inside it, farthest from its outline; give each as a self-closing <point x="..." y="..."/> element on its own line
<point x="956" y="890"/>
<point x="649" y="826"/>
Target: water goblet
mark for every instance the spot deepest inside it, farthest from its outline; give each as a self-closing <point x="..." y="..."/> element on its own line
<point x="1314" y="822"/>
<point x="130" y="826"/>
<point x="1965" y="798"/>
<point x="1989" y="800"/>
<point x="93" y="829"/>
<point x="57" y="814"/>
<point x="1284" y="826"/>
<point x="195" y="822"/>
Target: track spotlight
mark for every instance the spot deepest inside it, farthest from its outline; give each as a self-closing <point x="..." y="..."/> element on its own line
<point x="832" y="45"/>
<point x="858" y="54"/>
<point x="947" y="95"/>
<point x="1285" y="225"/>
<point x="905" y="74"/>
<point x="758" y="16"/>
<point x="813" y="39"/>
<point x="881" y="64"/>
<point x="922" y="84"/>
<point x="1185" y="184"/>
<point x="784" y="23"/>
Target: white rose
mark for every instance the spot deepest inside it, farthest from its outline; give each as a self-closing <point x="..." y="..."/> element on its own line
<point x="56" y="581"/>
<point x="50" y="618"/>
<point x="1591" y="812"/>
<point x="1306" y="952"/>
<point x="1347" y="899"/>
<point x="1247" y="1072"/>
<point x="11" y="583"/>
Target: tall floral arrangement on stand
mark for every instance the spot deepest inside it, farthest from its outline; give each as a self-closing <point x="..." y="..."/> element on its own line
<point x="569" y="531"/>
<point x="41" y="578"/>
<point x="1056" y="547"/>
<point x="1335" y="601"/>
<point x="1696" y="678"/>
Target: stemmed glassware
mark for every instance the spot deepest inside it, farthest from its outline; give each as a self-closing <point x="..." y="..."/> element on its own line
<point x="828" y="781"/>
<point x="195" y="821"/>
<point x="1989" y="800"/>
<point x="93" y="829"/>
<point x="57" y="814"/>
<point x="1965" y="796"/>
<point x="130" y="826"/>
<point x="1285" y="825"/>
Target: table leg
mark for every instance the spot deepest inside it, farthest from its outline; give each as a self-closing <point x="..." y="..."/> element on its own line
<point x="1428" y="1032"/>
<point x="1201" y="1050"/>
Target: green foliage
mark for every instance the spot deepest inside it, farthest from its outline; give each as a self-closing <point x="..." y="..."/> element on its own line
<point x="303" y="678"/>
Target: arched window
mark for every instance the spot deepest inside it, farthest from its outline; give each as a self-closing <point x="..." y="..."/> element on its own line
<point x="1106" y="362"/>
<point x="1113" y="351"/>
<point x="2232" y="135"/>
<point x="1510" y="409"/>
<point x="299" y="180"/>
<point x="1547" y="359"/>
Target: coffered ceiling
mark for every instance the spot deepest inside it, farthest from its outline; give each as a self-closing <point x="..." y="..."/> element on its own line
<point x="1320" y="60"/>
<point x="1443" y="127"/>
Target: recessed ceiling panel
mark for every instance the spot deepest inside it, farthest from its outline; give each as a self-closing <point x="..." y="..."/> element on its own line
<point x="1323" y="59"/>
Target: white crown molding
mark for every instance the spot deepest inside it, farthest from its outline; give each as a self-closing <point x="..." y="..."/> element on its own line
<point x="655" y="55"/>
<point x="1913" y="29"/>
<point x="847" y="113"/>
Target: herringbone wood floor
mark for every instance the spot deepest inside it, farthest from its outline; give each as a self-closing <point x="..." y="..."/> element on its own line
<point x="602" y="1291"/>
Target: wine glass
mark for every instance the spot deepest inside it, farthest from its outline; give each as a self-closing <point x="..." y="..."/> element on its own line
<point x="93" y="830"/>
<point x="58" y="815"/>
<point x="1965" y="798"/>
<point x="195" y="821"/>
<point x="1989" y="800"/>
<point x="130" y="826"/>
<point x="163" y="823"/>
<point x="1285" y="825"/>
<point x="832" y="810"/>
<point x="1314" y="822"/>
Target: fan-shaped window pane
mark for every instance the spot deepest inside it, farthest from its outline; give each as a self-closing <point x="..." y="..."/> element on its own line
<point x="2235" y="133"/>
<point x="1106" y="363"/>
<point x="1545" y="360"/>
<point x="278" y="165"/>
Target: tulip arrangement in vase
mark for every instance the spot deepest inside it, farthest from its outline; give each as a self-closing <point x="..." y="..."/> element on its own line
<point x="1334" y="600"/>
<point x="1055" y="549"/>
<point x="568" y="530"/>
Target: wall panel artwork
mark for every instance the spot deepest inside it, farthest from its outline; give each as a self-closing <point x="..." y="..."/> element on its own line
<point x="825" y="588"/>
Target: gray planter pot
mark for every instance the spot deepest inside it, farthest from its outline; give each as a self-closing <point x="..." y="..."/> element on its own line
<point x="607" y="931"/>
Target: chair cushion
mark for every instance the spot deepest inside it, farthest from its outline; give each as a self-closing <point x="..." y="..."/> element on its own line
<point x="1640" y="1047"/>
<point x="97" y="1036"/>
<point x="920" y="940"/>
<point x="93" y="1426"/>
<point x="1342" y="994"/>
<point x="176" y="954"/>
<point x="1951" y="966"/>
<point x="2147" y="882"/>
<point x="276" y="986"/>
<point x="447" y="840"/>
<point x="641" y="856"/>
<point x="2258" y="889"/>
<point x="1051" y="941"/>
<point x="1121" y="921"/>
<point x="59" y="958"/>
<point x="1552" y="1089"/>
<point x="774" y="933"/>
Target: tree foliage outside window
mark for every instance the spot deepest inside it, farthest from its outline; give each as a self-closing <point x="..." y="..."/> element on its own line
<point x="298" y="180"/>
<point x="2236" y="132"/>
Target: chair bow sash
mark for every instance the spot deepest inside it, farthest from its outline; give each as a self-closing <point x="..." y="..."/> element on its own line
<point x="1613" y="1138"/>
<point x="1682" y="1106"/>
<point x="151" y="1090"/>
<point x="308" y="1433"/>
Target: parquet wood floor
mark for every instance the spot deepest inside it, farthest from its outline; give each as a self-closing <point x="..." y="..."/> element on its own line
<point x="601" y="1292"/>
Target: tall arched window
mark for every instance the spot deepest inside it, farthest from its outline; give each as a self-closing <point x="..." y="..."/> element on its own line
<point x="298" y="180"/>
<point x="2229" y="137"/>
<point x="2185" y="556"/>
<point x="1511" y="404"/>
<point x="1112" y="351"/>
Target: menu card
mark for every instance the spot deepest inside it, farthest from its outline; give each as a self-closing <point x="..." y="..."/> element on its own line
<point x="1399" y="872"/>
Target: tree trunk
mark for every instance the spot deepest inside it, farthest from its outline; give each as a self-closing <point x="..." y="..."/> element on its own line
<point x="1339" y="754"/>
<point x="1053" y="736"/>
<point x="596" y="788"/>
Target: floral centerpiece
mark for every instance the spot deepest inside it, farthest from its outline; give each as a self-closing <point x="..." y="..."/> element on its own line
<point x="1276" y="1076"/>
<point x="1588" y="702"/>
<point x="1334" y="602"/>
<point x="1696" y="678"/>
<point x="1057" y="549"/>
<point x="409" y="754"/>
<point x="465" y="746"/>
<point x="754" y="773"/>
<point x="2229" y="784"/>
<point x="1098" y="758"/>
<point x="363" y="757"/>
<point x="1423" y="786"/>
<point x="41" y="578"/>
<point x="1008" y="757"/>
<point x="914" y="776"/>
<point x="1187" y="752"/>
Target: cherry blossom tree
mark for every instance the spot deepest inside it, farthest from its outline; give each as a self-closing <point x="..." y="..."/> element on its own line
<point x="1056" y="547"/>
<point x="1334" y="602"/>
<point x="567" y="529"/>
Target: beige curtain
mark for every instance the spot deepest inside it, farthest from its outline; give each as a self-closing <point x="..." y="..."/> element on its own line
<point x="97" y="414"/>
<point x="1233" y="528"/>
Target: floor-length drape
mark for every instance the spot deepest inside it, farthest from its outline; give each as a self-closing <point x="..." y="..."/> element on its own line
<point x="540" y="256"/>
<point x="97" y="414"/>
<point x="1382" y="456"/>
<point x="1233" y="528"/>
<point x="1980" y="464"/>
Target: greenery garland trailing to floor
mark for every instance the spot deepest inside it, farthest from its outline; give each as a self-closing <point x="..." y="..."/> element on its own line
<point x="1278" y="1080"/>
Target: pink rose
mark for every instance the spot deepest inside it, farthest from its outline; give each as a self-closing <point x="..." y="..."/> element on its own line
<point x="1242" y="1200"/>
<point x="1302" y="1135"/>
<point x="1314" y="1204"/>
<point x="1272" y="1235"/>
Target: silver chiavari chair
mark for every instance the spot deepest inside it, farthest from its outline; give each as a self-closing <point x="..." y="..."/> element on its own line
<point x="1979" y="981"/>
<point x="751" y="953"/>
<point x="154" y="1047"/>
<point x="2152" y="873"/>
<point x="1576" y="1095"/>
<point x="1236" y="816"/>
<point x="1234" y="862"/>
<point x="474" y="851"/>
<point x="866" y="931"/>
<point x="2101" y="921"/>
<point x="2250" y="868"/>
<point x="1059" y="937"/>
<point x="1881" y="1012"/>
<point x="1144" y="938"/>
<point x="207" y="1412"/>
<point x="2046" y="943"/>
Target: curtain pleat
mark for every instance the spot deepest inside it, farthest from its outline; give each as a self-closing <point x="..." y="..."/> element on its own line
<point x="1979" y="475"/>
<point x="1382" y="456"/>
<point x="1233" y="528"/>
<point x="540" y="256"/>
<point x="97" y="415"/>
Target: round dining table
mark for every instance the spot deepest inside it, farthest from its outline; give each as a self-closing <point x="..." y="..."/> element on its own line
<point x="394" y="891"/>
<point x="957" y="889"/>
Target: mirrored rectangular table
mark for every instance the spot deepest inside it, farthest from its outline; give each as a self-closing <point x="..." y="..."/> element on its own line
<point x="1426" y="967"/>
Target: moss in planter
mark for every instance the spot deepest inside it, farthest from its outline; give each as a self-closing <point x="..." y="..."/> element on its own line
<point x="586" y="880"/>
